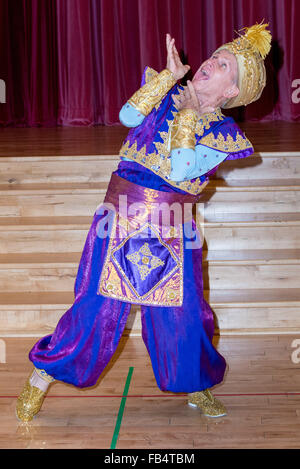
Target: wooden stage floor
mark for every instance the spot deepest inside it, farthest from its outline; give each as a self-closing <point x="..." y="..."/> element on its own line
<point x="276" y="136"/>
<point x="261" y="391"/>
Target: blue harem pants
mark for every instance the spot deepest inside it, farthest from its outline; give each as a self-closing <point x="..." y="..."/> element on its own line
<point x="178" y="339"/>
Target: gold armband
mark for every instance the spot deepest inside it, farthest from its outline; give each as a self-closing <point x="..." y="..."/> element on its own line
<point x="183" y="129"/>
<point x="152" y="92"/>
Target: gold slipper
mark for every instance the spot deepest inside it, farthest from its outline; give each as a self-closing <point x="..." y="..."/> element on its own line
<point x="210" y="406"/>
<point x="29" y="402"/>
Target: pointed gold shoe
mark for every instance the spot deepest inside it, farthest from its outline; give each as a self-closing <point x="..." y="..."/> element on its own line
<point x="29" y="402"/>
<point x="210" y="406"/>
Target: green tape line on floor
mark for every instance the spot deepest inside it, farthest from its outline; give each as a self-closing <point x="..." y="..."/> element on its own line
<point x="121" y="410"/>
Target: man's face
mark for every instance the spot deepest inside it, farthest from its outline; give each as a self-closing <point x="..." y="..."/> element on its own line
<point x="217" y="76"/>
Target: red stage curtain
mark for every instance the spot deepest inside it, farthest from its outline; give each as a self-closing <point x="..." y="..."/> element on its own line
<point x="75" y="62"/>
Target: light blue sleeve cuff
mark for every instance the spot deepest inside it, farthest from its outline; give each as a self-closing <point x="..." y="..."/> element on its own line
<point x="130" y="117"/>
<point x="207" y="158"/>
<point x="187" y="163"/>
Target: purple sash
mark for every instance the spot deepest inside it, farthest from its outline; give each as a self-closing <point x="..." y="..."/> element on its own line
<point x="144" y="260"/>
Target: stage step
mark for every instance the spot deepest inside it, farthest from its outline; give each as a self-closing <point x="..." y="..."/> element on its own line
<point x="274" y="165"/>
<point x="236" y="311"/>
<point x="57" y="169"/>
<point x="44" y="273"/>
<point x="249" y="217"/>
<point x="279" y="166"/>
<point x="47" y="200"/>
<point x="68" y="234"/>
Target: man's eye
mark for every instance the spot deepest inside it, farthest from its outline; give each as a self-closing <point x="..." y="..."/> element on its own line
<point x="224" y="65"/>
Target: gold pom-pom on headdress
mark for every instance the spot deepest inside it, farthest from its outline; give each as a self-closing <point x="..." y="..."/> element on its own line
<point x="259" y="38"/>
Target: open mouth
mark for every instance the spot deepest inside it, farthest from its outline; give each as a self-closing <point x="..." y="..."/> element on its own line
<point x="204" y="73"/>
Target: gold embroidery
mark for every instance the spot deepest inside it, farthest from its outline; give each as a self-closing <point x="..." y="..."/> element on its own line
<point x="110" y="286"/>
<point x="171" y="294"/>
<point x="253" y="77"/>
<point x="148" y="257"/>
<point x="206" y="119"/>
<point x="160" y="293"/>
<point x="227" y="144"/>
<point x="150" y="74"/>
<point x="250" y="51"/>
<point x="160" y="162"/>
<point x="44" y="375"/>
<point x="172" y="233"/>
<point x="179" y="262"/>
<point x="150" y="195"/>
<point x="153" y="159"/>
<point x="145" y="98"/>
<point x="123" y="222"/>
<point x="183" y="129"/>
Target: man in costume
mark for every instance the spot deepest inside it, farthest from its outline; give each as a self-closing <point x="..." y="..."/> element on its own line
<point x="134" y="254"/>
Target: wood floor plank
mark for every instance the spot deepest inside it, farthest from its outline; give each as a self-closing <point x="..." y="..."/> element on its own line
<point x="260" y="411"/>
<point x="265" y="136"/>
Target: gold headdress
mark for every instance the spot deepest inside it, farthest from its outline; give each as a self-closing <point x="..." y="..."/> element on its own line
<point x="250" y="51"/>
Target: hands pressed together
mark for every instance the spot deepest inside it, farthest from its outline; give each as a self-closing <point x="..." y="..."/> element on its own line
<point x="187" y="98"/>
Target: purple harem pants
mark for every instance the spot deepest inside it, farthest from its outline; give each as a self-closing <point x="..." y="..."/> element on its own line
<point x="178" y="339"/>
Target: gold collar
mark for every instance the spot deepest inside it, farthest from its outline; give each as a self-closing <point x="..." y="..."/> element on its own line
<point x="205" y="120"/>
<point x="212" y="116"/>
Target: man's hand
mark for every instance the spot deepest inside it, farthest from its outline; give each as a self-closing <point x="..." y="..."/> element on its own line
<point x="174" y="63"/>
<point x="187" y="99"/>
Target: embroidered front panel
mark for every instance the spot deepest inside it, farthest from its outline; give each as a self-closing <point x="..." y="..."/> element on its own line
<point x="144" y="264"/>
<point x="144" y="260"/>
